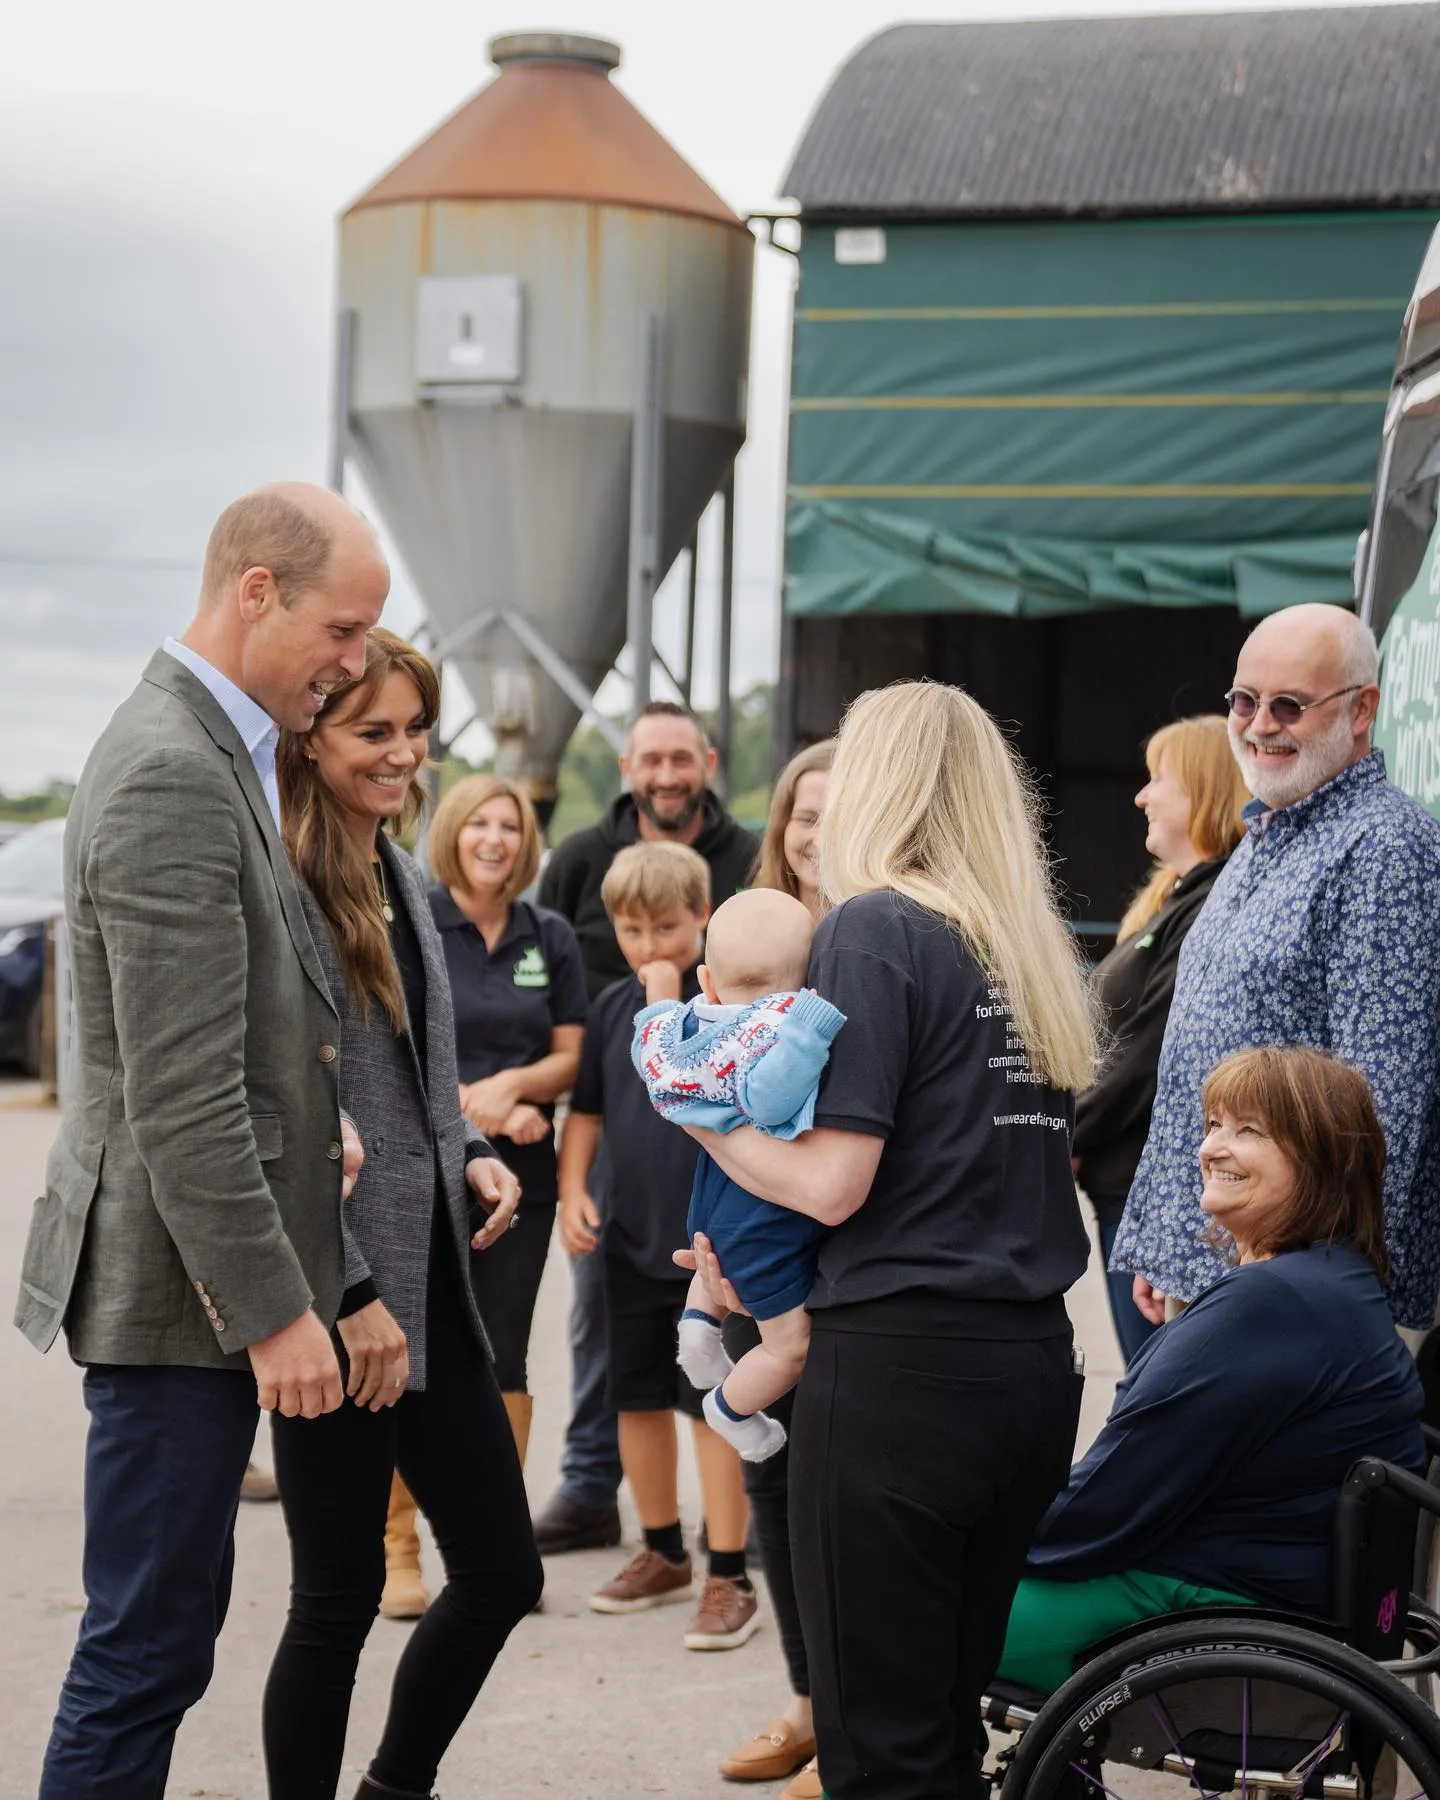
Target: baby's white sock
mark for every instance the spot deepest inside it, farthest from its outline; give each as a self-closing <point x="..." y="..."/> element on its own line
<point x="755" y="1436"/>
<point x="702" y="1355"/>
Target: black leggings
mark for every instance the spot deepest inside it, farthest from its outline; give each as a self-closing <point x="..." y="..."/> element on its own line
<point x="920" y="1469"/>
<point x="768" y="1485"/>
<point x="453" y="1446"/>
<point x="507" y="1277"/>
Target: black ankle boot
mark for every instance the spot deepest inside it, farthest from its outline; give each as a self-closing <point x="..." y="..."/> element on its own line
<point x="369" y="1789"/>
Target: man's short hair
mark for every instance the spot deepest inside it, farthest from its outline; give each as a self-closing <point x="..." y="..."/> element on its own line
<point x="266" y="531"/>
<point x="653" y="879"/>
<point x="671" y="709"/>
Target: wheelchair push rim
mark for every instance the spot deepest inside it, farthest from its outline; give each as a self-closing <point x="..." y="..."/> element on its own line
<point x="1370" y="1728"/>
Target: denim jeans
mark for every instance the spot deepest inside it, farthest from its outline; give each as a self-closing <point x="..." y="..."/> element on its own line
<point x="164" y="1458"/>
<point x="1132" y="1328"/>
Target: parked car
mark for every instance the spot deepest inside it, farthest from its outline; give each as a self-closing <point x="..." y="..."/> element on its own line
<point x="31" y="894"/>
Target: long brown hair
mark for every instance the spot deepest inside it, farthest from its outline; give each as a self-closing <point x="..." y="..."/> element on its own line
<point x="1321" y="1114"/>
<point x="771" y="869"/>
<point x="325" y="856"/>
<point x="1197" y="753"/>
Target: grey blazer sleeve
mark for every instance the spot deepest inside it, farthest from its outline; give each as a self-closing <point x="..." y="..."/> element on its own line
<point x="164" y="871"/>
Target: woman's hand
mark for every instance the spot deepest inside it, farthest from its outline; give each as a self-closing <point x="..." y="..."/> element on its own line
<point x="703" y="1260"/>
<point x="488" y="1103"/>
<point x="498" y="1192"/>
<point x="579" y="1223"/>
<point x="525" y="1124"/>
<point x="379" y="1359"/>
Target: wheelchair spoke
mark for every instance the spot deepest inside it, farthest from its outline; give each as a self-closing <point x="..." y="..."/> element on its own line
<point x="1095" y="1781"/>
<point x="1162" y="1719"/>
<point x="1327" y="1745"/>
<point x="1244" y="1740"/>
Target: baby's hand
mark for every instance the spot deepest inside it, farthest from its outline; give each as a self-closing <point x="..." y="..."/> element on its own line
<point x="661" y="981"/>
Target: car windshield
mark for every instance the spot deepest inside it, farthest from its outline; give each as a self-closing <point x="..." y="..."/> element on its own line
<point x="30" y="865"/>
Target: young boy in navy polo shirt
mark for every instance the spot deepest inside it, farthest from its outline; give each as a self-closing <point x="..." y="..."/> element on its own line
<point x="658" y="898"/>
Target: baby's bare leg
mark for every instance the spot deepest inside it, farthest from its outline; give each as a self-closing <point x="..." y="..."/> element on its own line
<point x="773" y="1367"/>
<point x="702" y="1354"/>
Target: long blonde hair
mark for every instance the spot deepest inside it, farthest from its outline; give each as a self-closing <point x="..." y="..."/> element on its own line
<point x="327" y="859"/>
<point x="927" y="798"/>
<point x="772" y="870"/>
<point x="1197" y="753"/>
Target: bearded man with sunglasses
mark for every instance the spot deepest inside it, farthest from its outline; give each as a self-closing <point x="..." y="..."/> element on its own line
<point x="1323" y="929"/>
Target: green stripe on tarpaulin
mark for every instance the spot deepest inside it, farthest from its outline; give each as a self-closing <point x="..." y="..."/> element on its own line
<point x="1049" y="416"/>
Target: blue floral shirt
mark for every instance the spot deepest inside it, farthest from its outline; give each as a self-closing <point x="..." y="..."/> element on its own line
<point x="1323" y="929"/>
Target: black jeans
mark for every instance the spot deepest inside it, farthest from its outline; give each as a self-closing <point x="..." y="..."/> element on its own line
<point x="506" y="1277"/>
<point x="453" y="1446"/>
<point x="768" y="1485"/>
<point x="920" y="1469"/>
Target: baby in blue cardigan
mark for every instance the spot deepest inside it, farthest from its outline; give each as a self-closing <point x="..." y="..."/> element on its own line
<point x="751" y="1052"/>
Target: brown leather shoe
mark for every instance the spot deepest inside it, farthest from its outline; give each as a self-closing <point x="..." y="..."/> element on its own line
<point x="727" y="1617"/>
<point x="647" y="1580"/>
<point x="806" y="1785"/>
<point x="778" y="1751"/>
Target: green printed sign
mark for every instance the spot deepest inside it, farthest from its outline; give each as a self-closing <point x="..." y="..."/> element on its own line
<point x="1408" y="729"/>
<point x="530" y="971"/>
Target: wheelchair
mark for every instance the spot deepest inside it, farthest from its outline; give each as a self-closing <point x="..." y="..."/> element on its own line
<point x="1254" y="1702"/>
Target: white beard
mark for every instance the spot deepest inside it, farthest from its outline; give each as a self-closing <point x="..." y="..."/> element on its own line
<point x="1316" y="761"/>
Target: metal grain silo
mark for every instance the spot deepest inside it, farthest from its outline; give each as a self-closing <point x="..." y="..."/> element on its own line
<point x="496" y="288"/>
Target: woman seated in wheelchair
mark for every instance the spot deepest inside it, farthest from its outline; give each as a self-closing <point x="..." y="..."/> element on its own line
<point x="1215" y="1477"/>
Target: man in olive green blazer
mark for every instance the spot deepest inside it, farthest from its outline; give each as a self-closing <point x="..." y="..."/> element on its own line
<point x="188" y="1241"/>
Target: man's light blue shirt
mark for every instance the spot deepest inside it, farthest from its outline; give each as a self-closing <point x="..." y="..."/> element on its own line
<point x="258" y="731"/>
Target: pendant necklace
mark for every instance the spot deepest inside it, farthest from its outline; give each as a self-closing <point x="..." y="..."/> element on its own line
<point x="387" y="911"/>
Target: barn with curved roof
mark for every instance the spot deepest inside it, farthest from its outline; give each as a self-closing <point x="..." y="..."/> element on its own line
<point x="1092" y="343"/>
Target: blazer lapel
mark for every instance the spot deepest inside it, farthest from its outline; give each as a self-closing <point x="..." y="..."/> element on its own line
<point x="176" y="679"/>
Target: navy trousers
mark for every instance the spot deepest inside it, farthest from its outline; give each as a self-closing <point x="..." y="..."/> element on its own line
<point x="164" y="1459"/>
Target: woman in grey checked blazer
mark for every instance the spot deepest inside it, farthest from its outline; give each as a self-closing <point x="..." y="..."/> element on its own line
<point x="422" y="1398"/>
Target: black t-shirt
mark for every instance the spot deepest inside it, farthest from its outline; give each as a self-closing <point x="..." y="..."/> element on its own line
<point x="973" y="1198"/>
<point x="651" y="1162"/>
<point x="508" y="1001"/>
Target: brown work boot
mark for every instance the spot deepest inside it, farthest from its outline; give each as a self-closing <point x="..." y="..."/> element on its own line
<point x="404" y="1596"/>
<point x="258" y="1484"/>
<point x="727" y="1616"/>
<point x="647" y="1580"/>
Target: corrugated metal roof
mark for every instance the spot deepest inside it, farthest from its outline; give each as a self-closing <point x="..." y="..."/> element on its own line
<point x="1221" y="112"/>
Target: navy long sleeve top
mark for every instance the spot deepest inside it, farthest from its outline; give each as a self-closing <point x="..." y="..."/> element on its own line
<point x="1231" y="1432"/>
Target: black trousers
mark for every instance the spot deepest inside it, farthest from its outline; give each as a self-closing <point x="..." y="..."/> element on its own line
<point x="453" y="1446"/>
<point x="920" y="1469"/>
<point x="768" y="1485"/>
<point x="506" y="1277"/>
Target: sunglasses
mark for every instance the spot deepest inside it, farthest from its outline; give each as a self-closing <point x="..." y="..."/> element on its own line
<point x="1284" y="709"/>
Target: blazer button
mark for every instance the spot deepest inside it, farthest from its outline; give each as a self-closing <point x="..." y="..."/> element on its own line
<point x="326" y="1053"/>
<point x="334" y="1151"/>
<point x="212" y="1312"/>
<point x="219" y="1324"/>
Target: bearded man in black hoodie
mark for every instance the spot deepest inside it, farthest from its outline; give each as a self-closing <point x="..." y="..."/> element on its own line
<point x="668" y="763"/>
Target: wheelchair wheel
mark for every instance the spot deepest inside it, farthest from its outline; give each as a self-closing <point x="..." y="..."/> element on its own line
<point x="1215" y="1707"/>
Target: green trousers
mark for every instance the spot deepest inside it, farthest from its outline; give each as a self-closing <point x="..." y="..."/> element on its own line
<point x="1051" y="1621"/>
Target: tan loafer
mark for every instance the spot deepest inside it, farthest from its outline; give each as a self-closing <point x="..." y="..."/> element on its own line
<point x="806" y="1785"/>
<point x="778" y="1751"/>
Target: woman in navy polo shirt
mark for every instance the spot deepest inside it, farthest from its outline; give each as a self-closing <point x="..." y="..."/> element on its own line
<point x="519" y="993"/>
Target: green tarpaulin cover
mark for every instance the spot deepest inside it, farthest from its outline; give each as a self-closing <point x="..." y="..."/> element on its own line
<point x="1042" y="417"/>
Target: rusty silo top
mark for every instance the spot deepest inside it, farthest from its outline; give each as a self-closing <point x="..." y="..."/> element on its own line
<point x="551" y="127"/>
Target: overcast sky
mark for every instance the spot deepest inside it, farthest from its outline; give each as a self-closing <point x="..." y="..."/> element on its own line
<point x="170" y="174"/>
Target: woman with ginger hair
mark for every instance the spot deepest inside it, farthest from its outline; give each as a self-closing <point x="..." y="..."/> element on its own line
<point x="1192" y="805"/>
<point x="936" y="1417"/>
